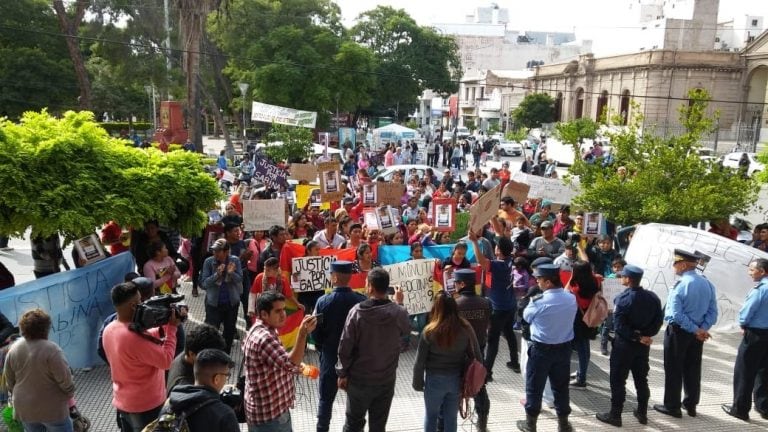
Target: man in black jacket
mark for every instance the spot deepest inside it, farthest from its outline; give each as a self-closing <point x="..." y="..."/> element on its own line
<point x="476" y="310"/>
<point x="205" y="410"/>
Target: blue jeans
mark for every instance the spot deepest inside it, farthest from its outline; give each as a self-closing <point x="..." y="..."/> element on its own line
<point x="582" y="350"/>
<point x="58" y="426"/>
<point x="441" y="399"/>
<point x="280" y="424"/>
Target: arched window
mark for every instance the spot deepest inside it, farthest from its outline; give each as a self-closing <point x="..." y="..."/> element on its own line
<point x="624" y="107"/>
<point x="602" y="103"/>
<point x="578" y="109"/>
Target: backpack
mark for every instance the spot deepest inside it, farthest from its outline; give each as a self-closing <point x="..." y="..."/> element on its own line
<point x="170" y="421"/>
<point x="597" y="311"/>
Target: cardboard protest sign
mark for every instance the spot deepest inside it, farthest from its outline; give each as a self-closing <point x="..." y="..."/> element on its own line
<point x="390" y="193"/>
<point x="652" y="248"/>
<point x="484" y="208"/>
<point x="331" y="188"/>
<point x="555" y="190"/>
<point x="311" y="273"/>
<point x="445" y="214"/>
<point x="518" y="191"/>
<point x="269" y="174"/>
<point x="370" y="219"/>
<point x="260" y="215"/>
<point x="416" y="279"/>
<point x="612" y="287"/>
<point x="369" y="194"/>
<point x="387" y="221"/>
<point x="304" y="172"/>
<point x="593" y="224"/>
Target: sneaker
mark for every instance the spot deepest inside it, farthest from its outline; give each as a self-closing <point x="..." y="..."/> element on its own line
<point x="574" y="375"/>
<point x="578" y="384"/>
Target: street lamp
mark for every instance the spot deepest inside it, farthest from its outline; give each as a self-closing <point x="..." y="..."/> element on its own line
<point x="243" y="89"/>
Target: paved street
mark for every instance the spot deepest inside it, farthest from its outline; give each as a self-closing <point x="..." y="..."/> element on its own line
<point x="94" y="389"/>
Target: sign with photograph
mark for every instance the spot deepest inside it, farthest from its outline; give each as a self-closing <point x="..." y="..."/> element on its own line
<point x="369" y="194"/>
<point x="213" y="232"/>
<point x="281" y="115"/>
<point x="347" y="136"/>
<point x="331" y="188"/>
<point x="260" y="215"/>
<point x="445" y="214"/>
<point x="90" y="249"/>
<point x="381" y="218"/>
<point x="593" y="223"/>
<point x="484" y="209"/>
<point x="304" y="172"/>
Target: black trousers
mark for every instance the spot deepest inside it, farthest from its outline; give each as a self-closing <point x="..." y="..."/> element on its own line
<point x="628" y="356"/>
<point x="328" y="389"/>
<point x="502" y="322"/>
<point x="225" y="315"/>
<point x="682" y="367"/>
<point x="553" y="362"/>
<point x="750" y="372"/>
<point x="372" y="399"/>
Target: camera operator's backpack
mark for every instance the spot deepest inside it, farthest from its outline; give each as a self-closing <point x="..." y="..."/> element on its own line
<point x="171" y="421"/>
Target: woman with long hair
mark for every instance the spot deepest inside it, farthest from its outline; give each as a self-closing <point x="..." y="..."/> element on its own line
<point x="300" y="227"/>
<point x="440" y="361"/>
<point x="584" y="286"/>
<point x="364" y="261"/>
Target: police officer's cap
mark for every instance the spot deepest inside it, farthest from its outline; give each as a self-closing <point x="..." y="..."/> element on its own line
<point x="465" y="275"/>
<point x="541" y="260"/>
<point x="631" y="271"/>
<point x="546" y="270"/>
<point x="341" y="267"/>
<point x="683" y="255"/>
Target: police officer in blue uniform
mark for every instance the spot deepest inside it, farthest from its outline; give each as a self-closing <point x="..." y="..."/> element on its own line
<point x="333" y="308"/>
<point x="691" y="310"/>
<point x="750" y="372"/>
<point x="637" y="317"/>
<point x="550" y="316"/>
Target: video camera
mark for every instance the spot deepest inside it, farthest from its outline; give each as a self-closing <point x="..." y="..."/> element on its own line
<point x="156" y="311"/>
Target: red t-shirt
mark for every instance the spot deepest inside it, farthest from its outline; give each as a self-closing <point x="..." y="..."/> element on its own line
<point x="256" y="288"/>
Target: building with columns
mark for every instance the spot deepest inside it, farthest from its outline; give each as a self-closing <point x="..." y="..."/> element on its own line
<point x="755" y="89"/>
<point x="657" y="80"/>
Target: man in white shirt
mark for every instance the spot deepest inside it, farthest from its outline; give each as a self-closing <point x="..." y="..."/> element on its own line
<point x="329" y="237"/>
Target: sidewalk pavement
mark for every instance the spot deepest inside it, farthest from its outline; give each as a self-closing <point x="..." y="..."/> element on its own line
<point x="94" y="389"/>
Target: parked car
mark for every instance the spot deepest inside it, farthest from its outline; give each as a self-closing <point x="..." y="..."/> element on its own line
<point x="462" y="132"/>
<point x="388" y="173"/>
<point x="731" y="160"/>
<point x="511" y="148"/>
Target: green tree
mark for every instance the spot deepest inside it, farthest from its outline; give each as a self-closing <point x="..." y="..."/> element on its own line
<point x="667" y="181"/>
<point x="35" y="70"/>
<point x="535" y="109"/>
<point x="296" y="143"/>
<point x="574" y="131"/>
<point x="411" y="59"/>
<point x="66" y="175"/>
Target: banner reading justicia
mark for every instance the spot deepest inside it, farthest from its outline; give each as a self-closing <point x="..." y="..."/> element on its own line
<point x="281" y="115"/>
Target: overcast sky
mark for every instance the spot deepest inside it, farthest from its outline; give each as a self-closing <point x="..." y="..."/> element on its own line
<point x="607" y="22"/>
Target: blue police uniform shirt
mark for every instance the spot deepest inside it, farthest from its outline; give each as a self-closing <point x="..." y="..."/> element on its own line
<point x="501" y="295"/>
<point x="637" y="312"/>
<point x="334" y="306"/>
<point x="692" y="303"/>
<point x="551" y="316"/>
<point x="754" y="313"/>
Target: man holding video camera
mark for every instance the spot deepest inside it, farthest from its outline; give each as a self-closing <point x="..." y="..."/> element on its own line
<point x="138" y="359"/>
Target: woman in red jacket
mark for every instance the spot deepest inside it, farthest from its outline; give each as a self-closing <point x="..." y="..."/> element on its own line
<point x="584" y="285"/>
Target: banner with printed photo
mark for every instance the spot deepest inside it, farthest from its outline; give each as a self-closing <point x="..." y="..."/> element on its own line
<point x="331" y="188"/>
<point x="652" y="248"/>
<point x="78" y="302"/>
<point x="445" y="214"/>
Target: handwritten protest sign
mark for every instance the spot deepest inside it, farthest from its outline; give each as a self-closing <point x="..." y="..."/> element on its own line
<point x="484" y="208"/>
<point x="269" y="174"/>
<point x="652" y="248"/>
<point x="311" y="273"/>
<point x="415" y="278"/>
<point x="518" y="191"/>
<point x="612" y="287"/>
<point x="390" y="193"/>
<point x="305" y="172"/>
<point x="555" y="190"/>
<point x="78" y="301"/>
<point x="260" y="215"/>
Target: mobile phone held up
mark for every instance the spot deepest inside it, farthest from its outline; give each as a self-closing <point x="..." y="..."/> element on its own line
<point x="319" y="318"/>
